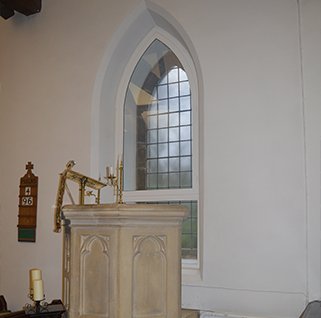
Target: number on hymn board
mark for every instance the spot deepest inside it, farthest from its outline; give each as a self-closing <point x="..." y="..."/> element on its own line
<point x="27" y="201"/>
<point x="27" y="190"/>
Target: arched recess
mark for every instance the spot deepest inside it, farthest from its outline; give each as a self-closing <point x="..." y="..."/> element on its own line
<point x="134" y="35"/>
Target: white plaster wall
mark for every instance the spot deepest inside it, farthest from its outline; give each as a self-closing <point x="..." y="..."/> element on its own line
<point x="258" y="121"/>
<point x="311" y="67"/>
<point x="48" y="68"/>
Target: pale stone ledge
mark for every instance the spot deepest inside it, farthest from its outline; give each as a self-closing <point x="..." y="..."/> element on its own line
<point x="187" y="313"/>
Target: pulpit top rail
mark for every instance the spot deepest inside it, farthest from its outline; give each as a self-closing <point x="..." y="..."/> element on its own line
<point x="113" y="213"/>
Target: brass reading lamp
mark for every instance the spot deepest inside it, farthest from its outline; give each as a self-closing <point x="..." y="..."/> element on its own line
<point x="115" y="181"/>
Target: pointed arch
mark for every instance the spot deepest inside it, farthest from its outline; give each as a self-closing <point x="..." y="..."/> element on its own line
<point x="158" y="91"/>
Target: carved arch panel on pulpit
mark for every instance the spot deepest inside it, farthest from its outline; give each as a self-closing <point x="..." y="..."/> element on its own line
<point x="150" y="270"/>
<point x="95" y="280"/>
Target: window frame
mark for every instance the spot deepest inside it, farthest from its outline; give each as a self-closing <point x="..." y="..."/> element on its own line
<point x="180" y="194"/>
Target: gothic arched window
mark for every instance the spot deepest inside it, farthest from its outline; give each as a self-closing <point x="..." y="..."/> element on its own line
<point x="159" y="143"/>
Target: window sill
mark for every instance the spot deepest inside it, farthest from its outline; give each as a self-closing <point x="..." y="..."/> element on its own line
<point x="190" y="274"/>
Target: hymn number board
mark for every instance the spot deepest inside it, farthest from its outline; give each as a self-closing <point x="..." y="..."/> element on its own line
<point x="28" y="206"/>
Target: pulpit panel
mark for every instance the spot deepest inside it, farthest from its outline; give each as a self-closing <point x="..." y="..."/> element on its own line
<point x="94" y="280"/>
<point x="149" y="276"/>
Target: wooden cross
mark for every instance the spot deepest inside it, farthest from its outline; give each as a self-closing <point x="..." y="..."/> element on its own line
<point x="29" y="166"/>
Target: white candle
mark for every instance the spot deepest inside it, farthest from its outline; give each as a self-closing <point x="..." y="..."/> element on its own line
<point x="38" y="290"/>
<point x="34" y="274"/>
<point x="110" y="171"/>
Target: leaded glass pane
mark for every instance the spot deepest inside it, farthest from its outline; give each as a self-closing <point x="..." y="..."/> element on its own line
<point x="184" y="88"/>
<point x="186" y="164"/>
<point x="163" y="180"/>
<point x="162" y="165"/>
<point x="174" y="164"/>
<point x="185" y="148"/>
<point x="163" y="106"/>
<point x="163" y="135"/>
<point x="185" y="103"/>
<point x="174" y="104"/>
<point x="186" y="179"/>
<point x="152" y="166"/>
<point x="152" y="136"/>
<point x="162" y="121"/>
<point x="173" y="90"/>
<point x="152" y="151"/>
<point x="152" y="181"/>
<point x="163" y="150"/>
<point x="185" y="133"/>
<point x="185" y="117"/>
<point x="174" y="149"/>
<point x="173" y="179"/>
<point x="173" y="119"/>
<point x="162" y="92"/>
<point x="173" y="134"/>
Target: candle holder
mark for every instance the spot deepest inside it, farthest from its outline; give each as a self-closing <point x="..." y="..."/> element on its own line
<point x="37" y="307"/>
<point x="116" y="181"/>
